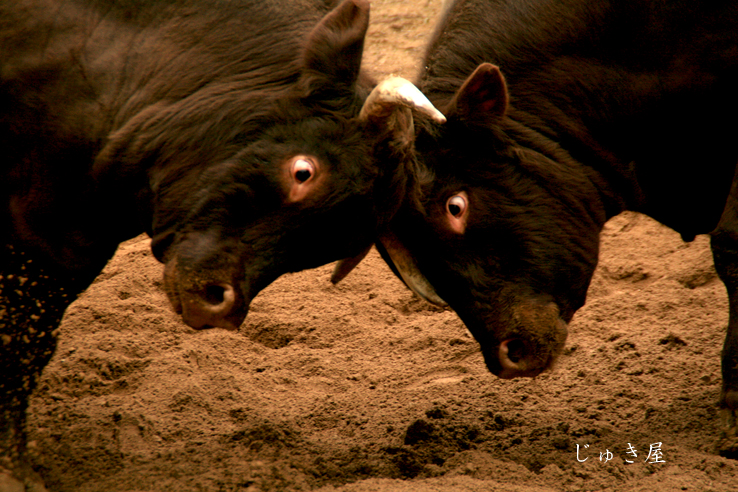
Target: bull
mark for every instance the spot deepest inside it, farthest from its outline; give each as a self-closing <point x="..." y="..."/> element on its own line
<point x="561" y="115"/>
<point x="241" y="136"/>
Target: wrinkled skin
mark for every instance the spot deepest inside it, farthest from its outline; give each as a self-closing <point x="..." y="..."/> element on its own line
<point x="232" y="132"/>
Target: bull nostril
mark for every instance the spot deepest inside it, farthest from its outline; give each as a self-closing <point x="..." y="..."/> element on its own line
<point x="214" y="294"/>
<point x="210" y="306"/>
<point x="219" y="298"/>
<point x="517" y="358"/>
<point x="511" y="356"/>
<point x="515" y="350"/>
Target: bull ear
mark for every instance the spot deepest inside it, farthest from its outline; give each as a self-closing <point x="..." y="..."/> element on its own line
<point x="332" y="53"/>
<point x="483" y="98"/>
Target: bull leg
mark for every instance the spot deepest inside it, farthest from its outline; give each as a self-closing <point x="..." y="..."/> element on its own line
<point x="32" y="303"/>
<point x="724" y="243"/>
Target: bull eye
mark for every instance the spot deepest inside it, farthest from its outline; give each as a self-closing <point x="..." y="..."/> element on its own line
<point x="456" y="206"/>
<point x="302" y="170"/>
<point x="301" y="175"/>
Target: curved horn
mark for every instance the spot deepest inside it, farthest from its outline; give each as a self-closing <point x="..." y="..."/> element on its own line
<point x="408" y="270"/>
<point x="344" y="267"/>
<point x="394" y="92"/>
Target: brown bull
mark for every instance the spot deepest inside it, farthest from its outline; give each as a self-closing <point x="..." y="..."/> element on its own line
<point x="561" y="115"/>
<point x="234" y="133"/>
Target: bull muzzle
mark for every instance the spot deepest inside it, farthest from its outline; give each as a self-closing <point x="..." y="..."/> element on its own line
<point x="537" y="337"/>
<point x="204" y="300"/>
<point x="204" y="279"/>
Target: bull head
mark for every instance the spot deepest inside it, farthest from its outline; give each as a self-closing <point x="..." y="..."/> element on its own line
<point x="494" y="235"/>
<point x="250" y="182"/>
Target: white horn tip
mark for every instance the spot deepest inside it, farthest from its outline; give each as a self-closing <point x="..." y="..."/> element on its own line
<point x="417" y="99"/>
<point x="400" y="90"/>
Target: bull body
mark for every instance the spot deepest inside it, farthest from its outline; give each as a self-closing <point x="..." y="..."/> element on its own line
<point x="229" y="131"/>
<point x="562" y="114"/>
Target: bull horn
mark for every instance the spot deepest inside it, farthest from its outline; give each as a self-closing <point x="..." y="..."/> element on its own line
<point x="344" y="267"/>
<point x="407" y="269"/>
<point x="393" y="92"/>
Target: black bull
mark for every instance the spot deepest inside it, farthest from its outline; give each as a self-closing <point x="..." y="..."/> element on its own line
<point x="561" y="115"/>
<point x="240" y="135"/>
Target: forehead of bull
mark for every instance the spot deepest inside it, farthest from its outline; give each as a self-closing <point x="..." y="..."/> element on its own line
<point x="457" y="149"/>
<point x="258" y="141"/>
<point x="254" y="180"/>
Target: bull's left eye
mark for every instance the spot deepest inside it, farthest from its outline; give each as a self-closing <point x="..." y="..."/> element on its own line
<point x="457" y="212"/>
<point x="300" y="176"/>
<point x="456" y="205"/>
<point x="302" y="170"/>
